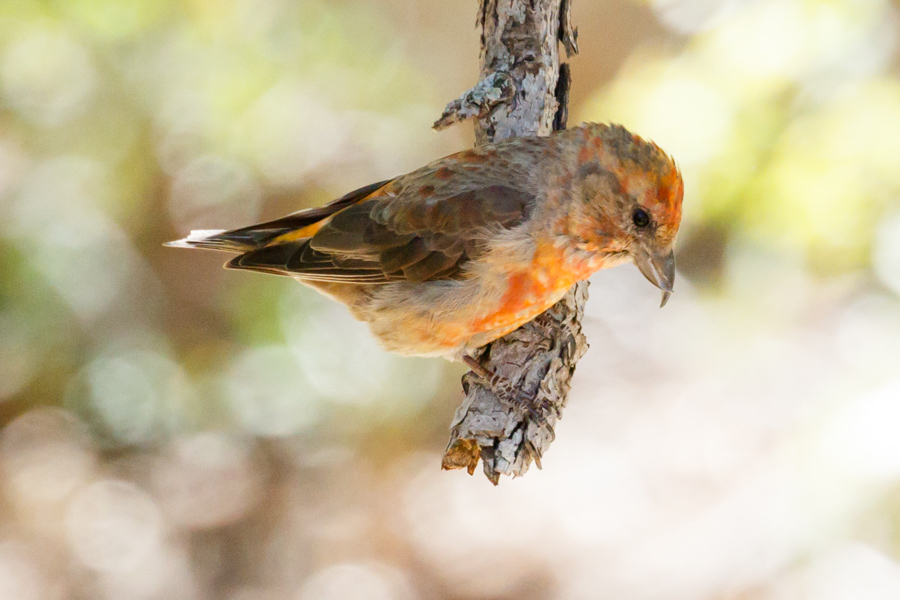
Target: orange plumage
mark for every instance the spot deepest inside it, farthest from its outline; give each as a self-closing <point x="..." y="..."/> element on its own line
<point x="449" y="257"/>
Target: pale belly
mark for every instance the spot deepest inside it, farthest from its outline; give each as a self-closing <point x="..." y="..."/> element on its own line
<point x="453" y="336"/>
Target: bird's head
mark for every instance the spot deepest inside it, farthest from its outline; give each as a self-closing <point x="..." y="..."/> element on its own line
<point x="627" y="201"/>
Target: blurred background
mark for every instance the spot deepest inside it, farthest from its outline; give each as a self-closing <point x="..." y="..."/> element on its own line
<point x="171" y="430"/>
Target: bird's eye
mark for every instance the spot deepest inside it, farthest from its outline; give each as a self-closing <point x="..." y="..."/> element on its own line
<point x="640" y="218"/>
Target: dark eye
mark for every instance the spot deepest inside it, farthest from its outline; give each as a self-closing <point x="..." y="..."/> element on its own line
<point x="640" y="218"/>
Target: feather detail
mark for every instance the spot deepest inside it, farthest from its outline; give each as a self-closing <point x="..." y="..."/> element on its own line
<point x="199" y="238"/>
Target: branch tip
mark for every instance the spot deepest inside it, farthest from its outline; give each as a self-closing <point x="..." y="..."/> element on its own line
<point x="479" y="101"/>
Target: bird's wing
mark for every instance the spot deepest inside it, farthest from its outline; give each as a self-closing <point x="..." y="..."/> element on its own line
<point x="423" y="226"/>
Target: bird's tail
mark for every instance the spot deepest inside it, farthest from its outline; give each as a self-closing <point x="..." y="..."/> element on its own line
<point x="291" y="228"/>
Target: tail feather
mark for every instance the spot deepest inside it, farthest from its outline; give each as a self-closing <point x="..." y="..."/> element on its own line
<point x="198" y="238"/>
<point x="257" y="236"/>
<point x="212" y="239"/>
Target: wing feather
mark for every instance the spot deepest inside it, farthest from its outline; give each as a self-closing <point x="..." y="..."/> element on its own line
<point x="423" y="226"/>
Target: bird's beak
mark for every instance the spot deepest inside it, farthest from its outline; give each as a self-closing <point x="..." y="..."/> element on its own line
<point x="658" y="268"/>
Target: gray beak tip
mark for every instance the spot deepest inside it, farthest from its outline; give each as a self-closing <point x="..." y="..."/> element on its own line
<point x="665" y="297"/>
<point x="658" y="268"/>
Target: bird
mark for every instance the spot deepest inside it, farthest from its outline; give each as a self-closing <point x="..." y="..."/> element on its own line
<point x="454" y="255"/>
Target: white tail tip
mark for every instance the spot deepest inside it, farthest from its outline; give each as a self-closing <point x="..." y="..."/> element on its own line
<point x="196" y="235"/>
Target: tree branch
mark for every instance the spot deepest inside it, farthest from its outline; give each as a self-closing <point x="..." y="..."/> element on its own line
<point x="522" y="92"/>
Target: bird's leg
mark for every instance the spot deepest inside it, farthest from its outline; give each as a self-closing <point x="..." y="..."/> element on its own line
<point x="509" y="394"/>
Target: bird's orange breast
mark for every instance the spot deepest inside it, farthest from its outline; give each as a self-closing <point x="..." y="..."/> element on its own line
<point x="533" y="289"/>
<point x="527" y="291"/>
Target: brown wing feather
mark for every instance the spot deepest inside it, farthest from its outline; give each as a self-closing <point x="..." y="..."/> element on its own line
<point x="422" y="226"/>
<point x="419" y="241"/>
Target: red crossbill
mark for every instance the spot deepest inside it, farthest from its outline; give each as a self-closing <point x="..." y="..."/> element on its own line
<point x="456" y="254"/>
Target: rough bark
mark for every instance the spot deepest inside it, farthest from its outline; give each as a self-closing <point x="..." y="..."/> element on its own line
<point x="522" y="91"/>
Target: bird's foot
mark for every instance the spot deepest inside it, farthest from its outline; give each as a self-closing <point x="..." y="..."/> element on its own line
<point x="535" y="409"/>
